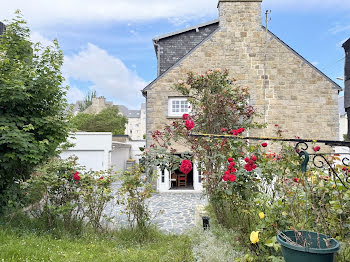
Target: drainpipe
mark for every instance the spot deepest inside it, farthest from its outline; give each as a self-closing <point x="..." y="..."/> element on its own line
<point x="346" y="47"/>
<point x="155" y="43"/>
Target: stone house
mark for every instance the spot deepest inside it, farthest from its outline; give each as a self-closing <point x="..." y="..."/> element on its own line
<point x="136" y="126"/>
<point x="285" y="88"/>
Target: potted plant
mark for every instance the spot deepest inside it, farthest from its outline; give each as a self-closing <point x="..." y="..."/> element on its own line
<point x="307" y="246"/>
<point x="304" y="245"/>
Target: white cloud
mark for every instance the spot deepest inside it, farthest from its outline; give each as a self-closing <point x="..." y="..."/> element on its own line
<point x="82" y="11"/>
<point x="42" y="12"/>
<point x="74" y="94"/>
<point x="307" y="5"/>
<point x="109" y="75"/>
<point x="37" y="37"/>
<point x="338" y="28"/>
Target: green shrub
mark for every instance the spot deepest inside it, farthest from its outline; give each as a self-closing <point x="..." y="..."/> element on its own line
<point x="57" y="192"/>
<point x="33" y="118"/>
<point x="135" y="189"/>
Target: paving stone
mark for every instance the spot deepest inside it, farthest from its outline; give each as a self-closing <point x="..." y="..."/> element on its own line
<point x="174" y="212"/>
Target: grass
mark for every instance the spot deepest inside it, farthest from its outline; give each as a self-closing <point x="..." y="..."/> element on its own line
<point x="18" y="244"/>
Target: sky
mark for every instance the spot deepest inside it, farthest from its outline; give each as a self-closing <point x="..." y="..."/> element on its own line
<point x="108" y="43"/>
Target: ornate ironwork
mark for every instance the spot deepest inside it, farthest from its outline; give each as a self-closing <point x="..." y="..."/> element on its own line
<point x="319" y="160"/>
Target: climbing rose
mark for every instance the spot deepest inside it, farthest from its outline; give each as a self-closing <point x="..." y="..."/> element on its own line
<point x="246" y="159"/>
<point x="264" y="144"/>
<point x="232" y="178"/>
<point x="101" y="177"/>
<point x="189" y="124"/>
<point x="227" y="172"/>
<point x="295" y="179"/>
<point x="231" y="165"/>
<point x="230" y="159"/>
<point x="225" y="177"/>
<point x="248" y="167"/>
<point x="185" y="116"/>
<point x="223" y="130"/>
<point x="186" y="166"/>
<point x="254" y="158"/>
<point x="316" y="148"/>
<point x="76" y="176"/>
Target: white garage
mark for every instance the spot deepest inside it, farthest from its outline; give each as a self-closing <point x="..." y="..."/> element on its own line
<point x="93" y="149"/>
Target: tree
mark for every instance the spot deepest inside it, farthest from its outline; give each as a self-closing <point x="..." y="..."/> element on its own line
<point x="87" y="101"/>
<point x="108" y="120"/>
<point x="33" y="122"/>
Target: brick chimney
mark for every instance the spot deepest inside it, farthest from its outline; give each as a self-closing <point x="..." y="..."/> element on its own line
<point x="240" y="15"/>
<point x="346" y="47"/>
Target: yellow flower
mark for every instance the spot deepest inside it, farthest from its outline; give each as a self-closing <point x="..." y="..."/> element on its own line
<point x="284" y="213"/>
<point x="254" y="237"/>
<point x="333" y="185"/>
<point x="261" y="215"/>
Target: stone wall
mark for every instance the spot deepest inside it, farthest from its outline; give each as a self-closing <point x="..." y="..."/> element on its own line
<point x="284" y="87"/>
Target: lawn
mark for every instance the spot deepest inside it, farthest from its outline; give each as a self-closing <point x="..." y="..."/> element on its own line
<point x="119" y="246"/>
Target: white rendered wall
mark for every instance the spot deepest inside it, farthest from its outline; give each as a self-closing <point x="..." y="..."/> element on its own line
<point x="92" y="149"/>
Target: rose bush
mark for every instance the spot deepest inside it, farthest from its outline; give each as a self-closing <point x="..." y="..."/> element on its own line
<point x="251" y="190"/>
<point x="57" y="192"/>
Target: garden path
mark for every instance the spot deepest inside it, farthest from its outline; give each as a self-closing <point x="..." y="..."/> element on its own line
<point x="173" y="212"/>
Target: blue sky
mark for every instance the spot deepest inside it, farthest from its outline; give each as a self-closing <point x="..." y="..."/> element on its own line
<point x="108" y="43"/>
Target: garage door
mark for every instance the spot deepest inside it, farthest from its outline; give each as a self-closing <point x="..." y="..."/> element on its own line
<point x="90" y="159"/>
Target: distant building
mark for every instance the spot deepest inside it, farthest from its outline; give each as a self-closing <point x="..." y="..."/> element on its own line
<point x="136" y="126"/>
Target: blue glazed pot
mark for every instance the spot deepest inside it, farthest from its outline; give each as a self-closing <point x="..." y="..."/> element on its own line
<point x="316" y="251"/>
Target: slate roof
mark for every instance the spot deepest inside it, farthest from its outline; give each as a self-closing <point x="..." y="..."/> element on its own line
<point x="187" y="30"/>
<point x="2" y="28"/>
<point x="130" y="113"/>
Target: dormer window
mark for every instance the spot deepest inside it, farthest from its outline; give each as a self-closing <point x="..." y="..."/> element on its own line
<point x="177" y="106"/>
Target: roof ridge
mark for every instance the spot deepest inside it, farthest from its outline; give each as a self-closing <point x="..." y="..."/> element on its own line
<point x="157" y="38"/>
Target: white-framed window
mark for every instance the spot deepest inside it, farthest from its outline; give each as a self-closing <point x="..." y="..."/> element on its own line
<point x="177" y="106"/>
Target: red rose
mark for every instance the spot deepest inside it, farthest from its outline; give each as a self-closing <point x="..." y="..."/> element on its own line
<point x="295" y="179"/>
<point x="231" y="165"/>
<point x="254" y="158"/>
<point x="223" y="129"/>
<point x="189" y="124"/>
<point x="254" y="166"/>
<point x="248" y="167"/>
<point x="101" y="177"/>
<point x="240" y="130"/>
<point x="246" y="159"/>
<point x="264" y="144"/>
<point x="230" y="159"/>
<point x="232" y="178"/>
<point x="233" y="170"/>
<point x="185" y="116"/>
<point x="344" y="168"/>
<point x="76" y="176"/>
<point x="227" y="172"/>
<point x="225" y="177"/>
<point x="251" y="162"/>
<point x="316" y="148"/>
<point x="186" y="166"/>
